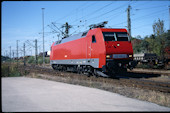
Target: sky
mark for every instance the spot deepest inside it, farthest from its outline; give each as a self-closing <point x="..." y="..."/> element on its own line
<point x="23" y="20"/>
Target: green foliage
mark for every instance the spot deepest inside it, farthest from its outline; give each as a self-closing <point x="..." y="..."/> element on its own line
<point x="3" y="58"/>
<point x="158" y="27"/>
<point x="31" y="60"/>
<point x="144" y="46"/>
<point x="40" y="60"/>
<point x="9" y="71"/>
<point x="155" y="43"/>
<point x="152" y="44"/>
<point x="47" y="60"/>
<point x="137" y="48"/>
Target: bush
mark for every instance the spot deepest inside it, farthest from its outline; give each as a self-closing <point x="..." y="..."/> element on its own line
<point x="40" y="60"/>
<point x="47" y="60"/>
<point x="31" y="60"/>
<point x="4" y="70"/>
<point x="9" y="71"/>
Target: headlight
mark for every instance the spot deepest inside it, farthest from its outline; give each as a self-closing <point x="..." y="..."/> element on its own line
<point x="130" y="56"/>
<point x="108" y="56"/>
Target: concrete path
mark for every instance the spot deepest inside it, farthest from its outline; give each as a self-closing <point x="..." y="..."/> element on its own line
<point x="30" y="94"/>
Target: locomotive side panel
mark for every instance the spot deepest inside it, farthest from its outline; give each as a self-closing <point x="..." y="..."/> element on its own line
<point x="76" y="52"/>
<point x="70" y="50"/>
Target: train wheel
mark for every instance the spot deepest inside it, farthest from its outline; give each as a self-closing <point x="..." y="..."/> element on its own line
<point x="94" y="73"/>
<point x="79" y="69"/>
<point x="55" y="67"/>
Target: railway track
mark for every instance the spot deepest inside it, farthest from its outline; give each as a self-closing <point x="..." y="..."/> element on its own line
<point x="120" y="80"/>
<point x="147" y="84"/>
<point x="150" y="71"/>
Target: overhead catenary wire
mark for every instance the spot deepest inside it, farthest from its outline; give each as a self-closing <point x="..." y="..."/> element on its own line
<point x="94" y="11"/>
<point x="99" y="16"/>
<point x="133" y="19"/>
<point x="71" y="12"/>
<point x="109" y="11"/>
<point x="147" y="25"/>
<point x="105" y="13"/>
<point x="100" y="9"/>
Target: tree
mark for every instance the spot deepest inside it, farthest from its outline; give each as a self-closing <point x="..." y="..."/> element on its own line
<point x="159" y="41"/>
<point x="136" y="43"/>
<point x="167" y="39"/>
<point x="139" y="37"/>
<point x="166" y="45"/>
<point x="145" y="46"/>
<point x="158" y="27"/>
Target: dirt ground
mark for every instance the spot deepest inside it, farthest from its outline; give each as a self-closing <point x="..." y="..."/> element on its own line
<point x="153" y="71"/>
<point x="162" y="78"/>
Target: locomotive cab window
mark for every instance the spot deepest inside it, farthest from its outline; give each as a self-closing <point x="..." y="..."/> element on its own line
<point x="109" y="36"/>
<point x="115" y="36"/>
<point x="122" y="36"/>
<point x="93" y="39"/>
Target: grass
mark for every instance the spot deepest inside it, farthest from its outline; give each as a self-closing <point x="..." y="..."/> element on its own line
<point x="31" y="60"/>
<point x="11" y="70"/>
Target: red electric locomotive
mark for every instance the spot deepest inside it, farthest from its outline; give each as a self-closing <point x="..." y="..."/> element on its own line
<point x="106" y="50"/>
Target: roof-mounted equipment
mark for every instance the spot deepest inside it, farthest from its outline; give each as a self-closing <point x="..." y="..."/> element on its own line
<point x="99" y="25"/>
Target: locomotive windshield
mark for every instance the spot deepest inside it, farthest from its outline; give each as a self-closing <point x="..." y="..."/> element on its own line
<point x="115" y="36"/>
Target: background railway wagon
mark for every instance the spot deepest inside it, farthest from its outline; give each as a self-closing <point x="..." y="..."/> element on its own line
<point x="153" y="59"/>
<point x="145" y="57"/>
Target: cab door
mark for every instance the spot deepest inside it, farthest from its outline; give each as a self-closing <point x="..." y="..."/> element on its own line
<point x="94" y="47"/>
<point x="91" y="47"/>
<point x="88" y="49"/>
